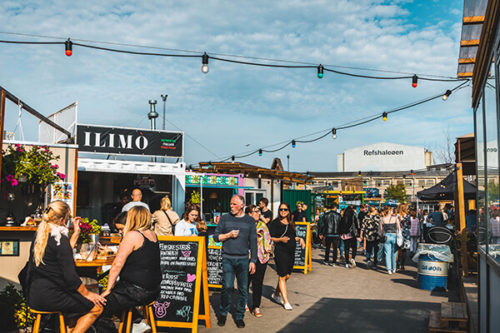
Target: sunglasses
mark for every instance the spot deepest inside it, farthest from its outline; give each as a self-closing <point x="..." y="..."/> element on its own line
<point x="283" y="209"/>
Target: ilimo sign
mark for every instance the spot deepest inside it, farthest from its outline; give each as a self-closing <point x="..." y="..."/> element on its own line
<point x="119" y="140"/>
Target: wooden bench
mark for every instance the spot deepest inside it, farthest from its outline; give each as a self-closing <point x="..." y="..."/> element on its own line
<point x="452" y="318"/>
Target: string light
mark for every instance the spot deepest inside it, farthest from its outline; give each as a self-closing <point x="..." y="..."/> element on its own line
<point x="204" y="61"/>
<point x="411" y="172"/>
<point x="320" y="71"/>
<point x="446" y="95"/>
<point x="260" y="152"/>
<point x="359" y="173"/>
<point x="293" y="143"/>
<point x="414" y="81"/>
<point x="69" y="47"/>
<point x="384" y="116"/>
<point x="232" y="158"/>
<point x="334" y="133"/>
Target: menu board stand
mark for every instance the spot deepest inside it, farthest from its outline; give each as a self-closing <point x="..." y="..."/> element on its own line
<point x="214" y="266"/>
<point x="183" y="261"/>
<point x="303" y="257"/>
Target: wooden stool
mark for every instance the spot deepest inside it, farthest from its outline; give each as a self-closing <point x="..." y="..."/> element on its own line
<point x="147" y="312"/>
<point x="36" y="324"/>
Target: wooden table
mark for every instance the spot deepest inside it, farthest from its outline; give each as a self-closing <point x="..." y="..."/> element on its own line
<point x="96" y="263"/>
<point x="89" y="271"/>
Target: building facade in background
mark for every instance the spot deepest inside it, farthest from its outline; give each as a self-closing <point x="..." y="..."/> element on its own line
<point x="384" y="156"/>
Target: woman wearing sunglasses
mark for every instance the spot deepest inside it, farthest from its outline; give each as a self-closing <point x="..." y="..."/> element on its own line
<point x="283" y="235"/>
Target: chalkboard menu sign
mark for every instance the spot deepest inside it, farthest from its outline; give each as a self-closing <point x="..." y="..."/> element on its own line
<point x="303" y="258"/>
<point x="214" y="266"/>
<point x="300" y="253"/>
<point x="184" y="282"/>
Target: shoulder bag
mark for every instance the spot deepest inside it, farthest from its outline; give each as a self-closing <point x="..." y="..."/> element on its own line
<point x="274" y="245"/>
<point x="170" y="221"/>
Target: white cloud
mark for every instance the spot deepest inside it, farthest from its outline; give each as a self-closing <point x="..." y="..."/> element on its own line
<point x="253" y="104"/>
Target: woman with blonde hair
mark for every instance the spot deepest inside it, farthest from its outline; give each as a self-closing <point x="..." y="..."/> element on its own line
<point x="389" y="227"/>
<point x="137" y="263"/>
<point x="165" y="218"/>
<point x="51" y="279"/>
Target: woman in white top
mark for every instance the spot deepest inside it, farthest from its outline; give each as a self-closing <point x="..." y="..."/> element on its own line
<point x="187" y="226"/>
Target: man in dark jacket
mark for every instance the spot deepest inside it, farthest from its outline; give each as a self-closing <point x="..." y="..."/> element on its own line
<point x="330" y="232"/>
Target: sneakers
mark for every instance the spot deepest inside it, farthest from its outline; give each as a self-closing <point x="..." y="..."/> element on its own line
<point x="325" y="262"/>
<point x="221" y="321"/>
<point x="288" y="307"/>
<point x="277" y="298"/>
<point x="240" y="323"/>
<point x="256" y="312"/>
<point x="142" y="327"/>
<point x="353" y="262"/>
<point x="389" y="272"/>
<point x="347" y="266"/>
<point x="246" y="308"/>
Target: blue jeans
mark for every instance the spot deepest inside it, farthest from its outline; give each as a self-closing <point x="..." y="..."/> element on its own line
<point x="230" y="269"/>
<point x="341" y="248"/>
<point x="372" y="251"/>
<point x="390" y="251"/>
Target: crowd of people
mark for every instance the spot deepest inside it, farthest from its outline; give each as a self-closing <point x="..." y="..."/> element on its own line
<point x="249" y="235"/>
<point x="393" y="231"/>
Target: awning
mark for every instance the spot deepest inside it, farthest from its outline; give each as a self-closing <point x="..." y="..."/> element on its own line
<point x="446" y="189"/>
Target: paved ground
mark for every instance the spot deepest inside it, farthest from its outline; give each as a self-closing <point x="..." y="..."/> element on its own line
<point x="341" y="300"/>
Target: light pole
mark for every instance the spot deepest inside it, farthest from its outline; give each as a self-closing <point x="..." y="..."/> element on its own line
<point x="288" y="162"/>
<point x="152" y="115"/>
<point x="164" y="98"/>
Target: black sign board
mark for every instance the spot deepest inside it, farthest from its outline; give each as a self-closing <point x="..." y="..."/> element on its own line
<point x="303" y="258"/>
<point x="214" y="266"/>
<point x="183" y="297"/>
<point x="129" y="141"/>
<point x="300" y="253"/>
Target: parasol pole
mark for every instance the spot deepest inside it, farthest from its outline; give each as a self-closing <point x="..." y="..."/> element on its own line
<point x="461" y="214"/>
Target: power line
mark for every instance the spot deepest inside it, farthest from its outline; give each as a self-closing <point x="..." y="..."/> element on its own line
<point x="217" y="56"/>
<point x="348" y="125"/>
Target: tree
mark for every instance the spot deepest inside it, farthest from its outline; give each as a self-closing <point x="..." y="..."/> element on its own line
<point x="445" y="152"/>
<point x="492" y="191"/>
<point x="396" y="192"/>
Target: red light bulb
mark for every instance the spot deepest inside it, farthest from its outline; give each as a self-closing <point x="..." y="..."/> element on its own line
<point x="69" y="53"/>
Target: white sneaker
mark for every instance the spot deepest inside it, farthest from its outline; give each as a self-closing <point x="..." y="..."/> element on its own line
<point x="277" y="298"/>
<point x="142" y="327"/>
<point x="353" y="262"/>
<point x="288" y="306"/>
<point x="389" y="272"/>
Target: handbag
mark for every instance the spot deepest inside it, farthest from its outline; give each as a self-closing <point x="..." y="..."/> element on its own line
<point x="274" y="245"/>
<point x="399" y="238"/>
<point x="170" y="221"/>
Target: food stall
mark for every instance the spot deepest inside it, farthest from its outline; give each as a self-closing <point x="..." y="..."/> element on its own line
<point x="102" y="181"/>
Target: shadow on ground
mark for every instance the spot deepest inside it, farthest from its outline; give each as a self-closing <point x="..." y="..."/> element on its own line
<point x="357" y="315"/>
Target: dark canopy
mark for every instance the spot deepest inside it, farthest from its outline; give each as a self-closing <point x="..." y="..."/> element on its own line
<point x="445" y="189"/>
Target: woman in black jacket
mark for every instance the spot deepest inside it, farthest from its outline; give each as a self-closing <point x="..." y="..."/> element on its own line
<point x="349" y="232"/>
<point x="53" y="282"/>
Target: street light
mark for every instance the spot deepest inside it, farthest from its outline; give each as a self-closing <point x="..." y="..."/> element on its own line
<point x="164" y="98"/>
<point x="152" y="115"/>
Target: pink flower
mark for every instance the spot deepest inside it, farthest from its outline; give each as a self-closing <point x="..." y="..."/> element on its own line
<point x="55" y="166"/>
<point x="18" y="145"/>
<point x="19" y="149"/>
<point x="13" y="182"/>
<point x="61" y="175"/>
<point x="9" y="178"/>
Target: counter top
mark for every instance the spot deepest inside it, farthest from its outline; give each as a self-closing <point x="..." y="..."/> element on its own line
<point x="3" y="228"/>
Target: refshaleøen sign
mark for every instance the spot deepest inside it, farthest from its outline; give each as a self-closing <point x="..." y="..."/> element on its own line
<point x="130" y="141"/>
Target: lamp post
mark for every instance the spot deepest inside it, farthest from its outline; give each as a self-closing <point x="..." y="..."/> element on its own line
<point x="152" y="115"/>
<point x="164" y="98"/>
<point x="288" y="162"/>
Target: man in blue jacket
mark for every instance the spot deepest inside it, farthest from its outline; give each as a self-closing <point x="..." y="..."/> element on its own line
<point x="238" y="235"/>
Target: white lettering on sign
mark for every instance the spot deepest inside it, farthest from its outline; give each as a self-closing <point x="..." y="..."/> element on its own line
<point x="125" y="142"/>
<point x="433" y="268"/>
<point x="144" y="142"/>
<point x="382" y="152"/>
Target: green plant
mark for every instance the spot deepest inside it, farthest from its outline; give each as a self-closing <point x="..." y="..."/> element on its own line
<point x="396" y="192"/>
<point x="195" y="197"/>
<point x="10" y="296"/>
<point x="34" y="166"/>
<point x="87" y="228"/>
<point x="22" y="315"/>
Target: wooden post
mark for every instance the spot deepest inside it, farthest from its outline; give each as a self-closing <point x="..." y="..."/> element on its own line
<point x="461" y="212"/>
<point x="2" y="120"/>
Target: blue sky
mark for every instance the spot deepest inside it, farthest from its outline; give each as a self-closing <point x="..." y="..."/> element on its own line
<point x="236" y="108"/>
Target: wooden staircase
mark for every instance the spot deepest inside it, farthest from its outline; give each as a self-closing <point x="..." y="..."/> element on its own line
<point x="452" y="318"/>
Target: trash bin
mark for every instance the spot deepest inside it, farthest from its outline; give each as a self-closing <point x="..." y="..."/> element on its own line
<point x="433" y="261"/>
